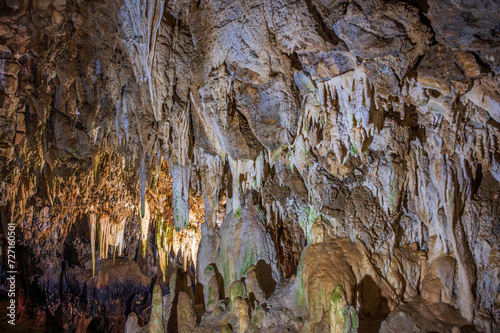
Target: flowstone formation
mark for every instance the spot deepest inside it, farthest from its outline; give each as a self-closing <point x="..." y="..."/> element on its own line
<point x="252" y="166"/>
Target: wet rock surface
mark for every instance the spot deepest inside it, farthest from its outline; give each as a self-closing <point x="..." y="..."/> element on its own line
<point x="252" y="166"/>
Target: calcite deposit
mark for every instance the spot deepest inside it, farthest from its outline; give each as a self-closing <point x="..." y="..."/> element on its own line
<point x="251" y="166"/>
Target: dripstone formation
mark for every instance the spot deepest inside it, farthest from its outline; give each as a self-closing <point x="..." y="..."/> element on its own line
<point x="252" y="166"/>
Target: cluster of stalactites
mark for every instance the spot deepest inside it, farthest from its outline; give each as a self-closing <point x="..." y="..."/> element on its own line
<point x="183" y="244"/>
<point x="247" y="174"/>
<point x="349" y="115"/>
<point x="211" y="168"/>
<point x="110" y="234"/>
<point x="276" y="209"/>
<point x="350" y="106"/>
<point x="150" y="14"/>
<point x="164" y="240"/>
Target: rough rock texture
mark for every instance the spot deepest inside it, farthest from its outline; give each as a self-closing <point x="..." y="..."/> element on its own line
<point x="186" y="318"/>
<point x="337" y="161"/>
<point x="419" y="316"/>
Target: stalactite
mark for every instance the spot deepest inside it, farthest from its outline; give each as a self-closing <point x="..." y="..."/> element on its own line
<point x="142" y="171"/>
<point x="142" y="18"/>
<point x="211" y="169"/>
<point x="186" y="244"/>
<point x="111" y="233"/>
<point x="348" y="110"/>
<point x="164" y="239"/>
<point x="104" y="224"/>
<point x="274" y="208"/>
<point x="181" y="176"/>
<point x="180" y="168"/>
<point x="145" y="228"/>
<point x="121" y="119"/>
<point x="182" y="130"/>
<point x="93" y="227"/>
<point x="117" y="123"/>
<point x="373" y="155"/>
<point x="236" y="199"/>
<point x="161" y="246"/>
<point x="247" y="174"/>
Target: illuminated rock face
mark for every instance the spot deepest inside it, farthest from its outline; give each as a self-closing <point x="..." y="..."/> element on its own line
<point x="311" y="166"/>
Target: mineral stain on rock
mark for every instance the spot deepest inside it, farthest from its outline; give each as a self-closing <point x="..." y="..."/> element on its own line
<point x="251" y="166"/>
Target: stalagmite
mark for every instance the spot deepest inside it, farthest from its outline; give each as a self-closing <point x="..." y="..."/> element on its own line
<point x="343" y="318"/>
<point x="156" y="323"/>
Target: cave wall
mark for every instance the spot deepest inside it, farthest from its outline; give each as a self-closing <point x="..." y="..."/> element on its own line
<point x="360" y="135"/>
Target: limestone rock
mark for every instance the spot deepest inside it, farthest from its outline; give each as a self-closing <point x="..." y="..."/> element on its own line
<point x="156" y="322"/>
<point x="465" y="25"/>
<point x="253" y="287"/>
<point x="343" y="318"/>
<point x="485" y="93"/>
<point x="240" y="314"/>
<point x="237" y="289"/>
<point x="213" y="294"/>
<point x="258" y="156"/>
<point x="441" y="65"/>
<point x="437" y="285"/>
<point x="418" y="316"/>
<point x="186" y="318"/>
<point x="132" y="325"/>
<point x="168" y="303"/>
<point x="326" y="267"/>
<point x="244" y="242"/>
